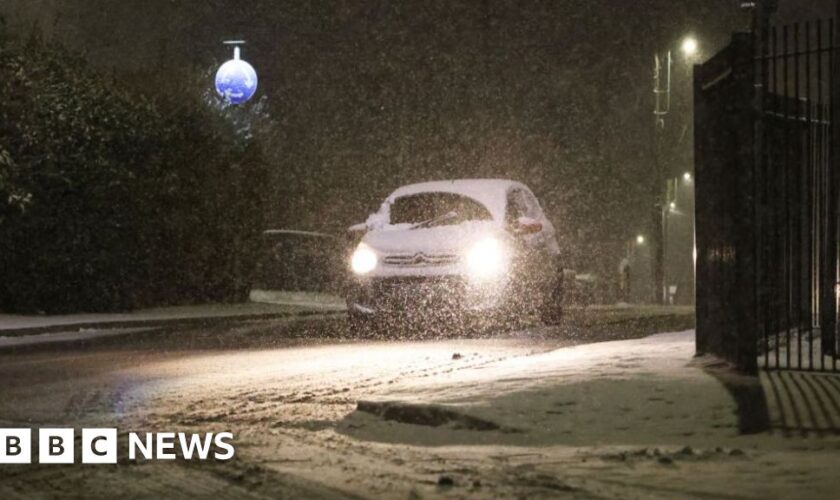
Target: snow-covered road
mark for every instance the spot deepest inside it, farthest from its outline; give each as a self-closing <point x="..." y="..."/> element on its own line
<point x="531" y="413"/>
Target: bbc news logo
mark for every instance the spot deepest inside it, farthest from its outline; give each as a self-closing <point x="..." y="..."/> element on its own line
<point x="99" y="446"/>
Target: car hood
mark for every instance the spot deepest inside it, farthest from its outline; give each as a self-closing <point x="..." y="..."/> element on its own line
<point x="433" y="240"/>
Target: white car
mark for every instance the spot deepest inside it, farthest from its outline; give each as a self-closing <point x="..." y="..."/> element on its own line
<point x="462" y="247"/>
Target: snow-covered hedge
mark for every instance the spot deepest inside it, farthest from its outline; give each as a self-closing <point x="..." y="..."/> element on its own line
<point x="112" y="199"/>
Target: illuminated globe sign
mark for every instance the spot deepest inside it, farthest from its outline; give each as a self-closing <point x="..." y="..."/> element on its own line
<point x="236" y="80"/>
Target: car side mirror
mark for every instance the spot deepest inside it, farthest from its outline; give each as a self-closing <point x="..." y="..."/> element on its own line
<point x="360" y="228"/>
<point x="527" y="225"/>
<point x="355" y="233"/>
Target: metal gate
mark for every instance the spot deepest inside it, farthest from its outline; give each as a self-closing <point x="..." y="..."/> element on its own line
<point x="767" y="199"/>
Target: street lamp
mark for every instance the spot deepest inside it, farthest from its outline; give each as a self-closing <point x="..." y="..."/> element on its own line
<point x="689" y="46"/>
<point x="236" y="80"/>
<point x="662" y="78"/>
<point x="640" y="239"/>
<point x="687" y="177"/>
<point x="660" y="207"/>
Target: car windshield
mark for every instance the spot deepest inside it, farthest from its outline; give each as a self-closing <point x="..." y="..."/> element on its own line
<point x="423" y="207"/>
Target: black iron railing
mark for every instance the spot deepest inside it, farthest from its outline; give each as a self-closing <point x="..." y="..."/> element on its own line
<point x="767" y="199"/>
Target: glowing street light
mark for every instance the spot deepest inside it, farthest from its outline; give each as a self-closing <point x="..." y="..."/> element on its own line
<point x="687" y="177"/>
<point x="689" y="46"/>
<point x="662" y="108"/>
<point x="640" y="240"/>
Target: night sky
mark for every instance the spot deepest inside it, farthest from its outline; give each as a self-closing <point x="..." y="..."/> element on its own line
<point x="372" y="95"/>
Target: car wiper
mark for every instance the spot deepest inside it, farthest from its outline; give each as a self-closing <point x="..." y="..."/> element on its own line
<point x="435" y="220"/>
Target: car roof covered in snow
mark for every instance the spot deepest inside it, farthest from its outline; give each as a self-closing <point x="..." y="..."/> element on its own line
<point x="492" y="193"/>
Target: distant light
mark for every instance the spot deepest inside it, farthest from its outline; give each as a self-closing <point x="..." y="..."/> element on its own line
<point x="689" y="46"/>
<point x="673" y="205"/>
<point x="687" y="177"/>
<point x="640" y="240"/>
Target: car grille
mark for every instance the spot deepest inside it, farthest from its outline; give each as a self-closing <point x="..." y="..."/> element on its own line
<point x="420" y="260"/>
<point x="409" y="293"/>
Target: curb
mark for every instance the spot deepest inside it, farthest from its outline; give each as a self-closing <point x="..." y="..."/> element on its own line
<point x="152" y="323"/>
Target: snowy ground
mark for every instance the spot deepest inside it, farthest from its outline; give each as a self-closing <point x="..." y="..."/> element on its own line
<point x="534" y="413"/>
<point x="800" y="350"/>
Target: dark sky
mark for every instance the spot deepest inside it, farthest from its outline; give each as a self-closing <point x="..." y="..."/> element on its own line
<point x="371" y="95"/>
<point x="805" y="10"/>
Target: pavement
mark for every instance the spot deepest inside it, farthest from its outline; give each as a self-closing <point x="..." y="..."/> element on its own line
<point x="600" y="406"/>
<point x="264" y="305"/>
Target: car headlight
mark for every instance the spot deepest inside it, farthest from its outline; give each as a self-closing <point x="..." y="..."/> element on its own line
<point x="485" y="259"/>
<point x="363" y="260"/>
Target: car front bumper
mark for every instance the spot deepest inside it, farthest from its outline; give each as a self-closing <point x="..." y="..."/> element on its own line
<point x="422" y="296"/>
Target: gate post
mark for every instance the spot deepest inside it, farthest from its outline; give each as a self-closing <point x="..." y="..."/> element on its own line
<point x="745" y="225"/>
<point x="828" y="278"/>
<point x="725" y="156"/>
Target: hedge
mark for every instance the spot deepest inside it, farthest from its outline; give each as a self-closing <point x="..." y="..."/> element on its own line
<point x="112" y="198"/>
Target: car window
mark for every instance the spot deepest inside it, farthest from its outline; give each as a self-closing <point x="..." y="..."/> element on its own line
<point x="423" y="207"/>
<point x="533" y="206"/>
<point x="516" y="206"/>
